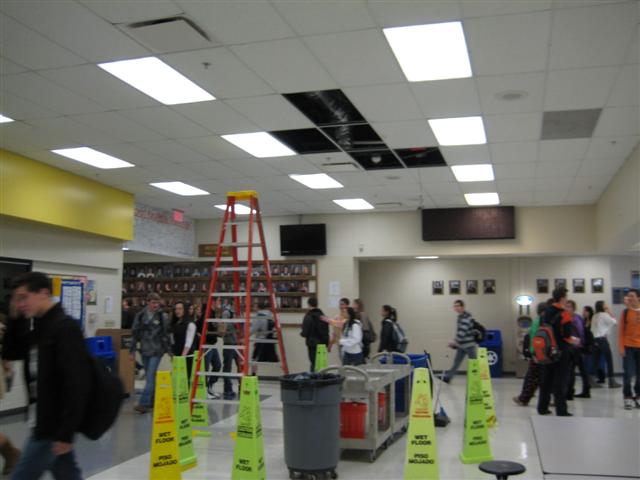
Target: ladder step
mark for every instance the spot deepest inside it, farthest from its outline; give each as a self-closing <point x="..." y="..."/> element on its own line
<point x="219" y="401"/>
<point x="240" y="244"/>
<point x="263" y="340"/>
<point x="276" y="364"/>
<point x="220" y="374"/>
<point x="231" y="269"/>
<point x="227" y="320"/>
<point x="239" y="294"/>
<point x="232" y="347"/>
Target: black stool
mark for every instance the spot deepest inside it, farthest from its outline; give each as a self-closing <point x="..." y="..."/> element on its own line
<point x="502" y="469"/>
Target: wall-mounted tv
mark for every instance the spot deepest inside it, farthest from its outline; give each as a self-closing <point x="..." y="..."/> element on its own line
<point x="479" y="223"/>
<point x="309" y="239"/>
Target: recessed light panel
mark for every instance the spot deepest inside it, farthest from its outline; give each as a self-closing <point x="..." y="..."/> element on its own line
<point x="354" y="204"/>
<point x="477" y="199"/>
<point x="239" y="208"/>
<point x="458" y="131"/>
<point x="179" y="188"/>
<point x="155" y="78"/>
<point x="430" y="52"/>
<point x="259" y="144"/>
<point x="317" y="181"/>
<point x="427" y="257"/>
<point x="93" y="157"/>
<point x="4" y="119"/>
<point x="473" y="173"/>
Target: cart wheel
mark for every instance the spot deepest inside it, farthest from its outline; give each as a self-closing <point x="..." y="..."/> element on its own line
<point x="311" y="476"/>
<point x="294" y="475"/>
<point x="372" y="456"/>
<point x="334" y="474"/>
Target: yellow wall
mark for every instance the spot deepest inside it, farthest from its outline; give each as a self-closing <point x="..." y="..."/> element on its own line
<point x="34" y="191"/>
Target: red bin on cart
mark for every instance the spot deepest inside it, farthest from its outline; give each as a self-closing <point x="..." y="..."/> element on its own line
<point x="353" y="419"/>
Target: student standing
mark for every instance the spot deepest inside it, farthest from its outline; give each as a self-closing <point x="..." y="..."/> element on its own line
<point x="629" y="345"/>
<point x="368" y="332"/>
<point x="184" y="334"/>
<point x="579" y="331"/>
<point x="315" y="330"/>
<point x="465" y="341"/>
<point x="351" y="340"/>
<point x="534" y="371"/>
<point x="601" y="325"/>
<point x="389" y="317"/>
<point x="262" y="330"/>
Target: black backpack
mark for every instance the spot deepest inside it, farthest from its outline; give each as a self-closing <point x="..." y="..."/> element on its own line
<point x="479" y="332"/>
<point x="104" y="402"/>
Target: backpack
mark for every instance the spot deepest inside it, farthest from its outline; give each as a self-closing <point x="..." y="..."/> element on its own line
<point x="545" y="347"/>
<point x="479" y="332"/>
<point x="399" y="338"/>
<point x="104" y="401"/>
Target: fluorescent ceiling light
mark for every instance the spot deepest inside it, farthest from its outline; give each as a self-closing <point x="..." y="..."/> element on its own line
<point x="4" y="119"/>
<point x="430" y="52"/>
<point x="427" y="257"/>
<point x="155" y="78"/>
<point x="475" y="199"/>
<point x="354" y="204"/>
<point x="458" y="131"/>
<point x="92" y="157"/>
<point x="317" y="181"/>
<point x="179" y="188"/>
<point x="473" y="173"/>
<point x="239" y="208"/>
<point x="259" y="144"/>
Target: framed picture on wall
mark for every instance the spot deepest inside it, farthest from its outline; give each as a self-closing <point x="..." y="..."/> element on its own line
<point x="454" y="287"/>
<point x="578" y="285"/>
<point x="560" y="283"/>
<point x="489" y="286"/>
<point x="597" y="285"/>
<point x="617" y="295"/>
<point x="542" y="285"/>
<point x="472" y="287"/>
<point x="437" y="287"/>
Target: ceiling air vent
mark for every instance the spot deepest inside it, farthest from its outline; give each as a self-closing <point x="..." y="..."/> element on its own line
<point x="339" y="167"/>
<point x="388" y="205"/>
<point x="172" y="34"/>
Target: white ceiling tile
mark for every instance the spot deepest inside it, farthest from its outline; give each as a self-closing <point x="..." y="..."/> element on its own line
<point x="447" y="98"/>
<point x="405" y="134"/>
<point x="633" y="53"/>
<point x="357" y="58"/>
<point x="356" y="179"/>
<point x="117" y="126"/>
<point x="129" y="12"/>
<point x="292" y="165"/>
<point x="103" y="88"/>
<point x="582" y="197"/>
<point x="578" y="89"/>
<point x="597" y="183"/>
<point x="562" y="150"/>
<point x="173" y="151"/>
<point x="617" y="121"/>
<point x="593" y="36"/>
<point x="380" y="103"/>
<point x="597" y="167"/>
<point x="47" y="94"/>
<point x="78" y="132"/>
<point x="468" y="154"/>
<point x="214" y="147"/>
<point x="518" y="170"/>
<point x="140" y="175"/>
<point x="552" y="183"/>
<point x="133" y="154"/>
<point x="178" y="173"/>
<point x="309" y="17"/>
<point x="508" y="44"/>
<point x="392" y="177"/>
<point x="560" y="170"/>
<point x="517" y="199"/>
<point x="238" y="22"/>
<point x="224" y="77"/>
<point x="445" y="200"/>
<point x="216" y="170"/>
<point x="7" y="67"/>
<point x="19" y="108"/>
<point x="30" y="49"/>
<point x="327" y="206"/>
<point x="77" y="28"/>
<point x="166" y="122"/>
<point x="529" y="84"/>
<point x="513" y="127"/>
<point x="308" y="195"/>
<point x="278" y="182"/>
<point x="511" y="152"/>
<point x="217" y="117"/>
<point x="626" y="91"/>
<point x="611" y="147"/>
<point x="22" y="137"/>
<point x="400" y="13"/>
<point x="329" y="157"/>
<point x="252" y="167"/>
<point x="550" y="197"/>
<point x="286" y="65"/>
<point x="270" y="112"/>
<point x="429" y="175"/>
<point x="478" y="187"/>
<point x="214" y="187"/>
<point x="443" y="188"/>
<point x="515" y="186"/>
<point x="495" y="8"/>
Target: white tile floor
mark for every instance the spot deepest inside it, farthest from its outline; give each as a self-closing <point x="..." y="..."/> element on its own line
<point x="512" y="439"/>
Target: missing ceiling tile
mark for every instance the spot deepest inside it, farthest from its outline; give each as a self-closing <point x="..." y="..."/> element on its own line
<point x="567" y="124"/>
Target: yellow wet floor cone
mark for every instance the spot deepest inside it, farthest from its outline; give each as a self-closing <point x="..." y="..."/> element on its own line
<point x="183" y="417"/>
<point x="487" y="389"/>
<point x="475" y="446"/>
<point x="165" y="461"/>
<point x="422" y="452"/>
<point x="321" y="357"/>
<point x="248" y="454"/>
<point x="200" y="411"/>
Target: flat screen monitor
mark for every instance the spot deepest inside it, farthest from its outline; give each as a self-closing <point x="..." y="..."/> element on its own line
<point x="481" y="223"/>
<point x="309" y="239"/>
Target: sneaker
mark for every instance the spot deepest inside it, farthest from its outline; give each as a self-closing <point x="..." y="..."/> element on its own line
<point x="519" y="402"/>
<point x="583" y="395"/>
<point x="229" y="396"/>
<point x="142" y="409"/>
<point x="614" y="384"/>
<point x="212" y="394"/>
<point x="546" y="412"/>
<point x="628" y="403"/>
<point x="446" y="380"/>
<point x="565" y="414"/>
<point x="637" y="402"/>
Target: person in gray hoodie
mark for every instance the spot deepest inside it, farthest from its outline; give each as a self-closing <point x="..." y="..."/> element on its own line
<point x="465" y="341"/>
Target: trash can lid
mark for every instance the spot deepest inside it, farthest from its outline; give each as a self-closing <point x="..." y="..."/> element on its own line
<point x="295" y="381"/>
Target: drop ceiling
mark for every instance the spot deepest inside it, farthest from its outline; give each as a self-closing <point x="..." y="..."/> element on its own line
<point x="565" y="71"/>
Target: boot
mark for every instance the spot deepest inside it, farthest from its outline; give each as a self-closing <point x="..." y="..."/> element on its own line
<point x="613" y="383"/>
<point x="11" y="456"/>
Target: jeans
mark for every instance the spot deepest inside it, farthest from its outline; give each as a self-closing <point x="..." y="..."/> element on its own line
<point x="471" y="352"/>
<point x="352" y="358"/>
<point x="150" y="368"/>
<point x="212" y="364"/>
<point x="631" y="364"/>
<point x="37" y="457"/>
<point x="228" y="357"/>
<point x="578" y="360"/>
<point x="555" y="379"/>
<point x="603" y="349"/>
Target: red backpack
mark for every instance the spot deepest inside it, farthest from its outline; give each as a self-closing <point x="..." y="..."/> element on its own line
<point x="545" y="347"/>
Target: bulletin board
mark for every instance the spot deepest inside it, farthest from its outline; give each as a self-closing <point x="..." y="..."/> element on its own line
<point x="70" y="290"/>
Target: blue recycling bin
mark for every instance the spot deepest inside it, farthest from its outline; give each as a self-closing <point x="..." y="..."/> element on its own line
<point x="102" y="348"/>
<point x="418" y="360"/>
<point x="493" y="343"/>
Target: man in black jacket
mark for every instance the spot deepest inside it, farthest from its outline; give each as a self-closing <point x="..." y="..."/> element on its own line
<point x="63" y="380"/>
<point x="314" y="329"/>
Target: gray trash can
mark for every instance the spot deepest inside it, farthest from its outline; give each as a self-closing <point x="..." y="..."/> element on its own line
<point x="311" y="417"/>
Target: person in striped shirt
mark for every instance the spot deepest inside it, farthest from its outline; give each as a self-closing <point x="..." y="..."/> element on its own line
<point x="465" y="341"/>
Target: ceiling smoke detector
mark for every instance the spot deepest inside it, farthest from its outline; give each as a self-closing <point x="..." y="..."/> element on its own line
<point x="511" y="95"/>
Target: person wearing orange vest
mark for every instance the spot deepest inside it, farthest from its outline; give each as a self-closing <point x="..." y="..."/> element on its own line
<point x="629" y="345"/>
